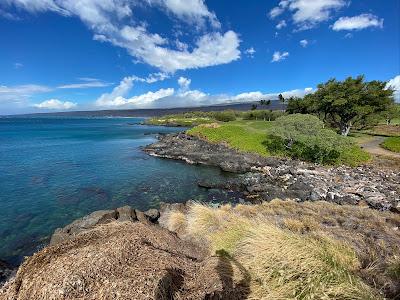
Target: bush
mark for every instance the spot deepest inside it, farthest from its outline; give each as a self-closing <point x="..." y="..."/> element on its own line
<point x="225" y="116"/>
<point x="304" y="137"/>
<point x="266" y="115"/>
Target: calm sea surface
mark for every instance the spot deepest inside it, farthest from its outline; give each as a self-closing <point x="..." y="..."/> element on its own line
<point x="55" y="170"/>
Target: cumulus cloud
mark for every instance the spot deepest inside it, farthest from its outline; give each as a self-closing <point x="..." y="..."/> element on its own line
<point x="113" y="21"/>
<point x="55" y="104"/>
<point x="190" y="11"/>
<point x="357" y="22"/>
<point x="118" y="96"/>
<point x="304" y="43"/>
<point x="394" y="83"/>
<point x="183" y="97"/>
<point x="307" y="14"/>
<point x="278" y="56"/>
<point x="281" y="24"/>
<point x="184" y="82"/>
<point x="250" y="52"/>
<point x="277" y="11"/>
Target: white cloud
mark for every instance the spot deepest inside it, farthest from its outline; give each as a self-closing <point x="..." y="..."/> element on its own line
<point x="118" y="95"/>
<point x="184" y="83"/>
<point x="281" y="24"/>
<point x="394" y="83"/>
<point x="55" y="104"/>
<point x="18" y="65"/>
<point x="190" y="11"/>
<point x="88" y="83"/>
<point x="308" y="13"/>
<point x="143" y="100"/>
<point x="256" y="96"/>
<point x="119" y="91"/>
<point x="184" y="97"/>
<point x="357" y="22"/>
<point x="151" y="78"/>
<point x="250" y="52"/>
<point x="278" y="56"/>
<point x="277" y="11"/>
<point x="111" y="21"/>
<point x="20" y="93"/>
<point x="304" y="43"/>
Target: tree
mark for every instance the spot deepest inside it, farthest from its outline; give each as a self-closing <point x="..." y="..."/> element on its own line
<point x="304" y="137"/>
<point x="281" y="99"/>
<point x="265" y="102"/>
<point x="253" y="106"/>
<point x="391" y="113"/>
<point x="348" y="103"/>
<point x="225" y="116"/>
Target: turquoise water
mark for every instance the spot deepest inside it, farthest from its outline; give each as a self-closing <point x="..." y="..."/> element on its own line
<point x="55" y="170"/>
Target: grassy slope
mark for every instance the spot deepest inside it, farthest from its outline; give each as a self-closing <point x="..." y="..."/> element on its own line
<point x="250" y="136"/>
<point x="242" y="135"/>
<point x="392" y="144"/>
<point x="291" y="253"/>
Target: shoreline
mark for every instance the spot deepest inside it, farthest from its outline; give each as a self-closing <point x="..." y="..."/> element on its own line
<point x="267" y="178"/>
<point x="261" y="179"/>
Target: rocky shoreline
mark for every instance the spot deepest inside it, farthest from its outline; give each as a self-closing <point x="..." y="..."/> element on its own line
<point x="267" y="178"/>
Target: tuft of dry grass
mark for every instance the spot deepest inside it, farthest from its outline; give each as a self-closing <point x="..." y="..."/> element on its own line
<point x="311" y="250"/>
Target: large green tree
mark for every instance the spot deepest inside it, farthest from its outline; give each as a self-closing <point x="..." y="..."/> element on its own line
<point x="346" y="104"/>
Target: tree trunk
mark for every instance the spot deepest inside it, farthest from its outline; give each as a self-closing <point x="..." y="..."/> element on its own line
<point x="345" y="128"/>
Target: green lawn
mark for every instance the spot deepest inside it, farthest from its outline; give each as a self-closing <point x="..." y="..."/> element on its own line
<point x="392" y="144"/>
<point x="251" y="136"/>
<point x="245" y="136"/>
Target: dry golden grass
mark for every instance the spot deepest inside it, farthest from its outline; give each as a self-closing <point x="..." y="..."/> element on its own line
<point x="303" y="250"/>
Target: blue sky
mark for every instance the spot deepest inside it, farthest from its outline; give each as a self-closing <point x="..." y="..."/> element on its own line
<point x="98" y="54"/>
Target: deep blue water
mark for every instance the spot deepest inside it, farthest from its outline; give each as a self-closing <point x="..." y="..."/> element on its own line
<point x="55" y="170"/>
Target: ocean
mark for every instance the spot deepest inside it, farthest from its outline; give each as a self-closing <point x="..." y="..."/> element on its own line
<point x="55" y="170"/>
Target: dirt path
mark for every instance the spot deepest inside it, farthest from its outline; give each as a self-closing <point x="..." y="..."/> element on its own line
<point x="373" y="146"/>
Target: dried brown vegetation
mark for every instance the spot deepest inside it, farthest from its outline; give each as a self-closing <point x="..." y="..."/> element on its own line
<point x="126" y="260"/>
<point x="302" y="250"/>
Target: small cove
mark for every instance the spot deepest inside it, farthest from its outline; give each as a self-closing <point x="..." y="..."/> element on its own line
<point x="55" y="170"/>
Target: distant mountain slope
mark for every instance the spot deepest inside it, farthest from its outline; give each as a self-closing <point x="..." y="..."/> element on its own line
<point x="275" y="105"/>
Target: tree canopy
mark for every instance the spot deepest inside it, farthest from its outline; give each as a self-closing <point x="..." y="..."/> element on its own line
<point x="347" y="103"/>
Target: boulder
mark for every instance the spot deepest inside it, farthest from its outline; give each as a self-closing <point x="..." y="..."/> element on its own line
<point x="126" y="213"/>
<point x="152" y="214"/>
<point x="82" y="224"/>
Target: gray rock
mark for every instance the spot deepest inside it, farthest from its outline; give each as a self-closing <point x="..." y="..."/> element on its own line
<point x="142" y="217"/>
<point x="82" y="224"/>
<point x="126" y="213"/>
<point x="262" y="178"/>
<point x="152" y="214"/>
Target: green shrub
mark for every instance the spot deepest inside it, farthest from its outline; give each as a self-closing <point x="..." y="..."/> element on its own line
<point x="304" y="137"/>
<point x="225" y="116"/>
<point x="266" y="115"/>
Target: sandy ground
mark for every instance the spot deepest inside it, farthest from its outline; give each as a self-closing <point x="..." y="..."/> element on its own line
<point x="373" y="146"/>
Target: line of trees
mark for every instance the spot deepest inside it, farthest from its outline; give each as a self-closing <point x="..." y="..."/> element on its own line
<point x="347" y="104"/>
